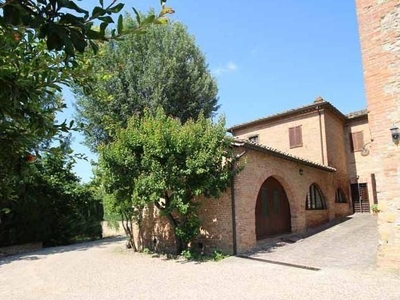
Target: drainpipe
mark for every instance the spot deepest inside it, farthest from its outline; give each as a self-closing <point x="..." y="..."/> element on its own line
<point x="233" y="215"/>
<point x="320" y="135"/>
<point x="233" y="203"/>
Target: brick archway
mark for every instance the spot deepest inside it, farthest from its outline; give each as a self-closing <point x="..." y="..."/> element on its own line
<point x="272" y="212"/>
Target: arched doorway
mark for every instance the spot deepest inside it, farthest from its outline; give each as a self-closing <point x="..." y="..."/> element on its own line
<point x="272" y="210"/>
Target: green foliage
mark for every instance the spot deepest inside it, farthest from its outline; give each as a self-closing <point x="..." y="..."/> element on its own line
<point x="30" y="77"/>
<point x="67" y="27"/>
<point x="52" y="206"/>
<point x="147" y="251"/>
<point x="43" y="200"/>
<point x="375" y="208"/>
<point x="158" y="160"/>
<point x="163" y="68"/>
<point x="38" y="40"/>
<point x="192" y="255"/>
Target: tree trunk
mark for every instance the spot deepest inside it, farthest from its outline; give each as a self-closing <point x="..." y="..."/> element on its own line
<point x="178" y="241"/>
<point x="127" y="224"/>
<point x="173" y="222"/>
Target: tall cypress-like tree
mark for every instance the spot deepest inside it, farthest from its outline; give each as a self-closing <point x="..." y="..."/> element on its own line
<point x="163" y="67"/>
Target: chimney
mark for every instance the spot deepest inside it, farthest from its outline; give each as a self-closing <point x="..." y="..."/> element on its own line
<point x="319" y="99"/>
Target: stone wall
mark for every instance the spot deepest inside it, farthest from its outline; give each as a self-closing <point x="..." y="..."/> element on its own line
<point x="379" y="29"/>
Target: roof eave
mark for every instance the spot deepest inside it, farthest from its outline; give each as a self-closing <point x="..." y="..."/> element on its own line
<point x="299" y="110"/>
<point x="279" y="154"/>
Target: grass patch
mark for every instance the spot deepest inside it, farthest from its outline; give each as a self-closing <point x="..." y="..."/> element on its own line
<point x="191" y="255"/>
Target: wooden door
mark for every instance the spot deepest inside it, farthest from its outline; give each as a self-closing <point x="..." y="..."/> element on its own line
<point x="272" y="210"/>
<point x="359" y="195"/>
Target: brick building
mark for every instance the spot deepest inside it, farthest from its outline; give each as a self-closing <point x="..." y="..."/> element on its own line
<point x="302" y="168"/>
<point x="312" y="164"/>
<point x="379" y="30"/>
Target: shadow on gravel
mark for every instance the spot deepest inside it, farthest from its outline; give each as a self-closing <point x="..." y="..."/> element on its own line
<point x="270" y="245"/>
<point x="280" y="263"/>
<point x="39" y="254"/>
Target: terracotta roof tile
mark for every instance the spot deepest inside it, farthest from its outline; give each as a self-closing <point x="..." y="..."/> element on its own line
<point x="302" y="109"/>
<point x="279" y="153"/>
<point x="356" y="114"/>
<point x="319" y="102"/>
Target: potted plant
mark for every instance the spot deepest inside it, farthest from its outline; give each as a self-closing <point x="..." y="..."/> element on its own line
<point x="375" y="209"/>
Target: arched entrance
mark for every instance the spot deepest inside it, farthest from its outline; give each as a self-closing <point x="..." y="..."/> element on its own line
<point x="272" y="210"/>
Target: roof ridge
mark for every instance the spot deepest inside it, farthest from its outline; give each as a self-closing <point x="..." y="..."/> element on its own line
<point x="357" y="113"/>
<point x="293" y="110"/>
<point x="318" y="102"/>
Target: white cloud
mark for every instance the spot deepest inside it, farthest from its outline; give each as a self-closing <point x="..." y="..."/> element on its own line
<point x="227" y="68"/>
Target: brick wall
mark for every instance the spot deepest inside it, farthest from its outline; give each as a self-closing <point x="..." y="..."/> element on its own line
<point x="358" y="164"/>
<point x="216" y="219"/>
<point x="336" y="149"/>
<point x="216" y="214"/>
<point x="379" y="29"/>
<point x="259" y="166"/>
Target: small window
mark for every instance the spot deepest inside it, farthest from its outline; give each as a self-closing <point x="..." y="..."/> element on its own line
<point x="295" y="137"/>
<point x="253" y="139"/>
<point x="356" y="141"/>
<point x="315" y="199"/>
<point x="340" y="197"/>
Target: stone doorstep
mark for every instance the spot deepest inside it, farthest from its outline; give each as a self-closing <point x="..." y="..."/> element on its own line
<point x="20" y="249"/>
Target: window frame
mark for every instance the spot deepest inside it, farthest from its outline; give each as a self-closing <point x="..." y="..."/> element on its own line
<point x="295" y="136"/>
<point x="312" y="203"/>
<point x="340" y="196"/>
<point x="254" y="139"/>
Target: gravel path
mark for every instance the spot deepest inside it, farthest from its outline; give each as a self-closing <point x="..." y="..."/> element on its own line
<point x="104" y="270"/>
<point x="350" y="244"/>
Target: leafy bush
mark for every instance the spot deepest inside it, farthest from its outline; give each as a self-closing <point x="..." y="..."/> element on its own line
<point x="52" y="207"/>
<point x="193" y="255"/>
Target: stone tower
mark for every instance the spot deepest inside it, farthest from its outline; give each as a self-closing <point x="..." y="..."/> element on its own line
<point x="379" y="30"/>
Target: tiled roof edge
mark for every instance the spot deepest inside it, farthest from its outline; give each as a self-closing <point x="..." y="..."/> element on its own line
<point x="357" y="114"/>
<point x="323" y="103"/>
<point x="279" y="153"/>
<point x="301" y="109"/>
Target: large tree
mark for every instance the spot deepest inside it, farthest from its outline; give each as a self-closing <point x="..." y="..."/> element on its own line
<point x="53" y="207"/>
<point x="160" y="161"/>
<point x="163" y="67"/>
<point x="38" y="40"/>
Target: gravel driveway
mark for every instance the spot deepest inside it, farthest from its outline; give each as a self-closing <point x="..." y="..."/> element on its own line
<point x="104" y="270"/>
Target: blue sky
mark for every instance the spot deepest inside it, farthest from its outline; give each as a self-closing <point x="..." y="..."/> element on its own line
<point x="268" y="56"/>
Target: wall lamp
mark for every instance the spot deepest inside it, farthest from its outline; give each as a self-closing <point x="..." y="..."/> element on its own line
<point x="395" y="133"/>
